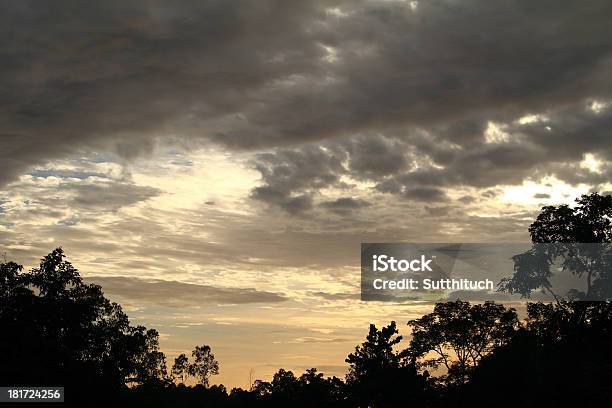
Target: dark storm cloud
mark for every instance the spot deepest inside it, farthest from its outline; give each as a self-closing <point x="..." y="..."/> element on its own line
<point x="125" y="75"/>
<point x="178" y="294"/>
<point x="117" y="75"/>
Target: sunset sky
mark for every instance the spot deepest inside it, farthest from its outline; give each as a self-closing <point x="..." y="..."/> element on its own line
<point x="215" y="165"/>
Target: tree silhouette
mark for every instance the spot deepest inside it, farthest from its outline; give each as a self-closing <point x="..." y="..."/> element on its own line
<point x="204" y="364"/>
<point x="152" y="366"/>
<point x="180" y="367"/>
<point x="261" y="388"/>
<point x="559" y="358"/>
<point x="376" y="354"/>
<point x="460" y="335"/>
<point x="580" y="238"/>
<point x="316" y="390"/>
<point x="377" y="371"/>
<point x="10" y="281"/>
<point x="284" y="382"/>
<point x="57" y="329"/>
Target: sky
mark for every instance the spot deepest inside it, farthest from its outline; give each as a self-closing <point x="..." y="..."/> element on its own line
<point x="215" y="165"/>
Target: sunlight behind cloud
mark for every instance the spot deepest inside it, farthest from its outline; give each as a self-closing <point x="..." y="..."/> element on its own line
<point x="495" y="133"/>
<point x="591" y="163"/>
<point x="548" y="190"/>
<point x="210" y="177"/>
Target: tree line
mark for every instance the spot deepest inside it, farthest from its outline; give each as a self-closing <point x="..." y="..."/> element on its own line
<point x="55" y="329"/>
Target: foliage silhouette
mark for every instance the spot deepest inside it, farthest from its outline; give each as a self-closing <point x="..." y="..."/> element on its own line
<point x="580" y="237"/>
<point x="204" y="364"/>
<point x="180" y="368"/>
<point x="57" y="329"/>
<point x="376" y="371"/>
<point x="558" y="358"/>
<point x="460" y="335"/>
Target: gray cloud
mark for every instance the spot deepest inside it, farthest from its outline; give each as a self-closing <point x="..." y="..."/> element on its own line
<point x="345" y="205"/>
<point x="291" y="177"/>
<point x="111" y="195"/>
<point x="376" y="156"/>
<point x="419" y="193"/>
<point x="124" y="75"/>
<point x="179" y="294"/>
<point x="437" y="211"/>
<point x="420" y="167"/>
<point x="467" y="199"/>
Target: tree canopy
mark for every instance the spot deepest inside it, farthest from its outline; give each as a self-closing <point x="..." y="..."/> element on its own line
<point x="580" y="238"/>
<point x="204" y="364"/>
<point x="460" y="335"/>
<point x="50" y="317"/>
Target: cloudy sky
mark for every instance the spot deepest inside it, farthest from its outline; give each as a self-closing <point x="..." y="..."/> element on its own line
<point x="215" y="165"/>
